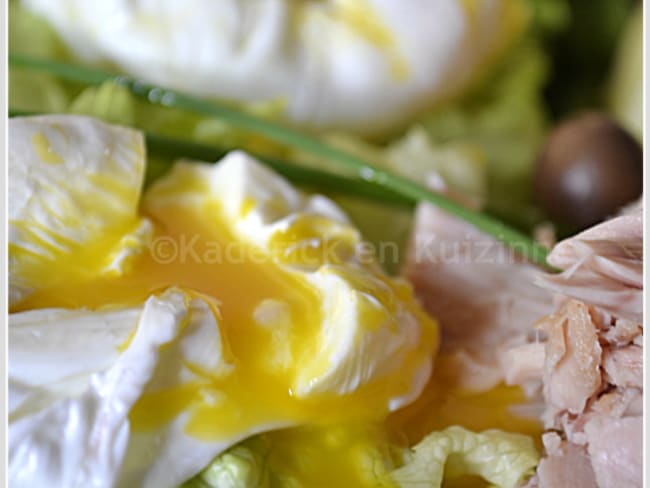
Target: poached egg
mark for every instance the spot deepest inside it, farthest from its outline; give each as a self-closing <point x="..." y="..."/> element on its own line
<point x="149" y="333"/>
<point x="365" y="66"/>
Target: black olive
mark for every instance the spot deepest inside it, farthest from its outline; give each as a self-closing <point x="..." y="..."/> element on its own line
<point x="588" y="169"/>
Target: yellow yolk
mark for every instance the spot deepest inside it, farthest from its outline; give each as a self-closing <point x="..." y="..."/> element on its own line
<point x="194" y="250"/>
<point x="270" y="321"/>
<point x="191" y="252"/>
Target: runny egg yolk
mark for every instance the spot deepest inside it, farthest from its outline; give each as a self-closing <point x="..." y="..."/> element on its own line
<point x="194" y="249"/>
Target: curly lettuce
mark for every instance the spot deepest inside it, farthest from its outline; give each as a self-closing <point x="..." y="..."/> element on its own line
<point x="503" y="459"/>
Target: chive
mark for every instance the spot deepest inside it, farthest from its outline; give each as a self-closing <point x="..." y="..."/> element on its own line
<point x="364" y="170"/>
<point x="175" y="148"/>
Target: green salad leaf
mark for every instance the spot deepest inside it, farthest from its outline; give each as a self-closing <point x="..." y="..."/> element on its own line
<point x="502" y="125"/>
<point x="108" y="102"/>
<point x="626" y="90"/>
<point x="461" y="169"/>
<point x="28" y="34"/>
<point x="242" y="466"/>
<point x="501" y="458"/>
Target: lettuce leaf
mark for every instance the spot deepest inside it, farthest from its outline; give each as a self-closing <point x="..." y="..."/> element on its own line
<point x="462" y="169"/>
<point x="503" y="124"/>
<point x="501" y="458"/>
<point x="626" y="90"/>
<point x="108" y="102"/>
<point x="242" y="466"/>
<point x="29" y="34"/>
